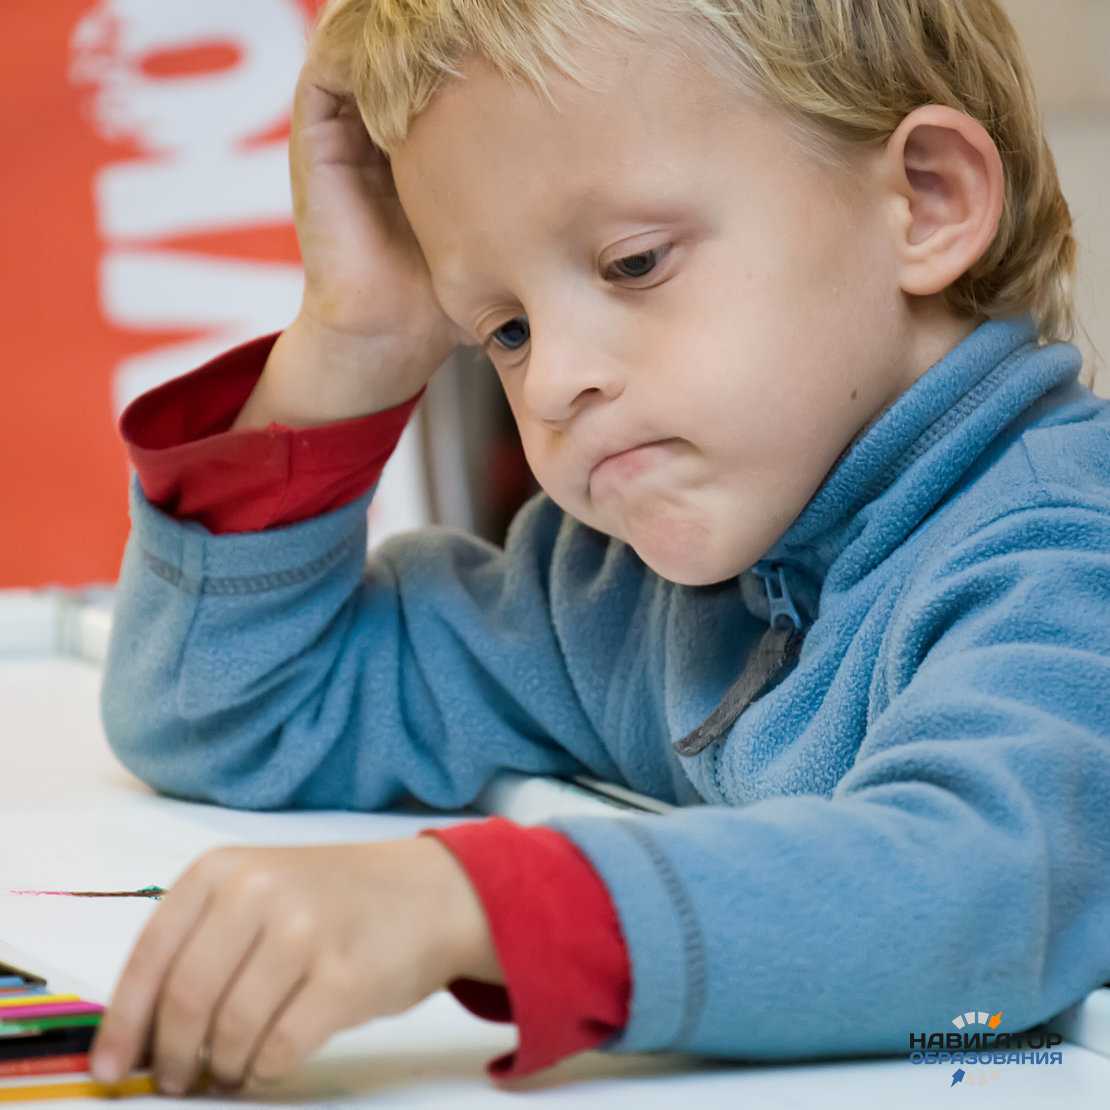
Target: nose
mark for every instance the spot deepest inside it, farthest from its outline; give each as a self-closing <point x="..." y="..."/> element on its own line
<point x="564" y="367"/>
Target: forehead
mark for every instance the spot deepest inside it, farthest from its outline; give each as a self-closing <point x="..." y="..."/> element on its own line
<point x="490" y="156"/>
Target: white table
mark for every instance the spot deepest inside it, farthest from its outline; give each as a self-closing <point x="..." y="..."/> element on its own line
<point x="74" y="818"/>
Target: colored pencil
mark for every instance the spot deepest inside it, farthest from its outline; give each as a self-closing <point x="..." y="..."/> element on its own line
<point x="13" y="976"/>
<point x="45" y="1036"/>
<point x="134" y="1084"/>
<point x="53" y="1010"/>
<point x="41" y="1024"/>
<point x="9" y="1000"/>
<point x="46" y="1065"/>
<point x="57" y="1042"/>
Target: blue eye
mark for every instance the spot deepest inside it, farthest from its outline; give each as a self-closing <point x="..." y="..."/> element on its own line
<point x="519" y="324"/>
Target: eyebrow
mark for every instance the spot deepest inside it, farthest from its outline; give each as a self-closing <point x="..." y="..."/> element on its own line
<point x="597" y="194"/>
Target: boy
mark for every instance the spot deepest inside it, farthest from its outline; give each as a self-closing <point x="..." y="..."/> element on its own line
<point x="779" y="296"/>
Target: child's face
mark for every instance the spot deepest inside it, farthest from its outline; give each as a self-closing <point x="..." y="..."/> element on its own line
<point x="767" y="331"/>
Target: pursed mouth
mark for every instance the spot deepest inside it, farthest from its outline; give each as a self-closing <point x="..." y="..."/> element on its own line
<point x="626" y="451"/>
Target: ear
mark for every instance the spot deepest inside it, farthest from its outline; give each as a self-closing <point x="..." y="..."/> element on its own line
<point x="947" y="175"/>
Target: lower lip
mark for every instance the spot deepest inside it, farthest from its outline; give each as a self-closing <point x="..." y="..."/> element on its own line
<point x="631" y="462"/>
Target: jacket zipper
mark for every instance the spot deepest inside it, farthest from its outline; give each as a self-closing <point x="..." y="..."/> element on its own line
<point x="778" y="647"/>
<point x="781" y="603"/>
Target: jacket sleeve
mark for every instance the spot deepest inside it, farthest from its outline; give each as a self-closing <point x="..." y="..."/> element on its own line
<point x="962" y="862"/>
<point x="552" y="922"/>
<point x="284" y="668"/>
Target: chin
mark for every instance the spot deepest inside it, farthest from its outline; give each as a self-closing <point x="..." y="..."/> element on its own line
<point x="690" y="570"/>
<point x="696" y="579"/>
<point x="687" y="548"/>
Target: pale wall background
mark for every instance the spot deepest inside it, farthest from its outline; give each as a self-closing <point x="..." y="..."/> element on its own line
<point x="1068" y="43"/>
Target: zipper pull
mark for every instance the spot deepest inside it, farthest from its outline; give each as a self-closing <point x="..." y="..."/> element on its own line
<point x="781" y="603"/>
<point x="778" y="648"/>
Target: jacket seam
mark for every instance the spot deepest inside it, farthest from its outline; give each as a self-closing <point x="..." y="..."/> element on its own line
<point x="694" y="941"/>
<point x="228" y="585"/>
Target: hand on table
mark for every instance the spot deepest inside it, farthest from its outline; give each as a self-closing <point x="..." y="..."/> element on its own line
<point x="262" y="953"/>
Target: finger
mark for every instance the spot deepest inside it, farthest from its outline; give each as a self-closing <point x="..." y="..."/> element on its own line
<point x="323" y="84"/>
<point x="277" y="964"/>
<point x="314" y="100"/>
<point x="306" y="1019"/>
<point x="328" y="57"/>
<point x="125" y="1028"/>
<point x="205" y="968"/>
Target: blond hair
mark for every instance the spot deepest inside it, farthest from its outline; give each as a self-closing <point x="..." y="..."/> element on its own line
<point x="845" y="72"/>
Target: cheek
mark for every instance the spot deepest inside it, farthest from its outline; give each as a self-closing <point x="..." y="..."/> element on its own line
<point x="824" y="241"/>
<point x="775" y="385"/>
<point x="523" y="431"/>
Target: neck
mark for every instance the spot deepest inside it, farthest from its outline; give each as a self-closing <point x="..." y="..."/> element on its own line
<point x="932" y="331"/>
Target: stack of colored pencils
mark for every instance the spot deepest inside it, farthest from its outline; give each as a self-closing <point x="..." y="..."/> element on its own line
<point x="44" y="1043"/>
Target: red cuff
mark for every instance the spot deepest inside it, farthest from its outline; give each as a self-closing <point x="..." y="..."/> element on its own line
<point x="193" y="468"/>
<point x="557" y="937"/>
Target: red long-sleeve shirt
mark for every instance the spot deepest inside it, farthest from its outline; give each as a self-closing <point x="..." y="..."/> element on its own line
<point x="553" y="924"/>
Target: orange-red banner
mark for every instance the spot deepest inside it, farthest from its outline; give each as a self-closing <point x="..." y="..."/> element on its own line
<point x="145" y="227"/>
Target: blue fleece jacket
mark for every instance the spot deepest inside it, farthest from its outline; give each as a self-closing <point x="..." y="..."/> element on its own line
<point x="907" y="817"/>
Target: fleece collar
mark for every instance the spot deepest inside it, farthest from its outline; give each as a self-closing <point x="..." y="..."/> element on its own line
<point x="901" y="467"/>
<point x="884" y="484"/>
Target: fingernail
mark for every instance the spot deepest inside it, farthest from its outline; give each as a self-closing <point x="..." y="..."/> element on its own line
<point x="171" y="1084"/>
<point x="105" y="1066"/>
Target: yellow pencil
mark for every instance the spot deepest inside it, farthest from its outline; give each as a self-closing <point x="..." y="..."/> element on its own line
<point x="80" y="1088"/>
<point x="38" y="999"/>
